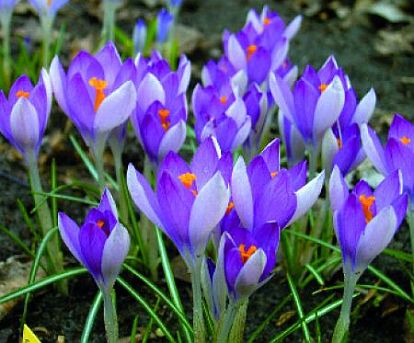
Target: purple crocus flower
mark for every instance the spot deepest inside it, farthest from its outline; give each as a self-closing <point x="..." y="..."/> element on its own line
<point x="261" y="46"/>
<point x="96" y="93"/>
<point x="190" y="199"/>
<point x="101" y="244"/>
<point x="398" y="152"/>
<point x="164" y="21"/>
<point x="48" y="8"/>
<point x="310" y="109"/>
<point x="222" y="113"/>
<point x="24" y="114"/>
<point x="365" y="220"/>
<point x="161" y="112"/>
<point x="259" y="189"/>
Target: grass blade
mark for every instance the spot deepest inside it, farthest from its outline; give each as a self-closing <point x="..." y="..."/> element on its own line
<point x="90" y="320"/>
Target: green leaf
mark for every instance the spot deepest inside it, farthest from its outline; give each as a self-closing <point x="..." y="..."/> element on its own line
<point x="90" y="320"/>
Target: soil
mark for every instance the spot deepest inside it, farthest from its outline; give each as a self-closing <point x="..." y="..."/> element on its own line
<point x="353" y="42"/>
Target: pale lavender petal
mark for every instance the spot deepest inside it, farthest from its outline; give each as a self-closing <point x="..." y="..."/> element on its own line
<point x="329" y="149"/>
<point x="373" y="149"/>
<point x="69" y="231"/>
<point x="293" y="27"/>
<point x="173" y="139"/>
<point x="242" y="134"/>
<point x="149" y="91"/>
<point x="338" y="190"/>
<point x="282" y="95"/>
<point x="365" y="108"/>
<point x="236" y="54"/>
<point x="107" y="203"/>
<point x="24" y="124"/>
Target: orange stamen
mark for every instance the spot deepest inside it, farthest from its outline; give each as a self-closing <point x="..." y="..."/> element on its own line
<point x="273" y="174"/>
<point x="164" y="114"/>
<point x="230" y="206"/>
<point x="223" y="99"/>
<point x="49" y="3"/>
<point x="99" y="86"/>
<point x="245" y="255"/>
<point x="266" y="21"/>
<point x="187" y="179"/>
<point x="251" y="49"/>
<point x="367" y="203"/>
<point x="340" y="144"/>
<point x="194" y="192"/>
<point x="100" y="223"/>
<point x="322" y="87"/>
<point x="405" y="140"/>
<point x="22" y="94"/>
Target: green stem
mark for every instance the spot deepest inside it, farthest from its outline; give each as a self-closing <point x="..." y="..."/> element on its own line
<point x="342" y="326"/>
<point x="46" y="23"/>
<point x="110" y="317"/>
<point x="55" y="260"/>
<point x="109" y="21"/>
<point x="98" y="156"/>
<point x="198" y="319"/>
<point x="5" y="23"/>
<point x="225" y="323"/>
<point x="120" y="179"/>
<point x="149" y="235"/>
<point x="410" y="220"/>
<point x="313" y="160"/>
<point x="237" y="331"/>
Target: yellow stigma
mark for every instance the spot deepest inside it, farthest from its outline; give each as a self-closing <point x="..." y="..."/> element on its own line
<point x="251" y="49"/>
<point x="405" y="140"/>
<point x="273" y="174"/>
<point x="164" y="114"/>
<point x="267" y="21"/>
<point x="245" y="255"/>
<point x="223" y="99"/>
<point x="100" y="223"/>
<point x="322" y="87"/>
<point x="99" y="86"/>
<point x="367" y="203"/>
<point x="22" y="94"/>
<point x="187" y="179"/>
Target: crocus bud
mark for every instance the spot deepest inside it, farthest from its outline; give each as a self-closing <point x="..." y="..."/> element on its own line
<point x="48" y="8"/>
<point x="139" y="36"/>
<point x="164" y="22"/>
<point x="101" y="244"/>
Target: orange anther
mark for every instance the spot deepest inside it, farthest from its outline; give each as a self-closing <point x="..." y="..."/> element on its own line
<point x="187" y="179"/>
<point x="405" y="140"/>
<point x="251" y="49"/>
<point x="223" y="99"/>
<point x="22" y="94"/>
<point x="164" y="114"/>
<point x="367" y="203"/>
<point x="230" y="206"/>
<point x="273" y="174"/>
<point x="49" y="2"/>
<point x="322" y="87"/>
<point x="245" y="255"/>
<point x="266" y="21"/>
<point x="100" y="223"/>
<point x="99" y="86"/>
<point x="340" y="144"/>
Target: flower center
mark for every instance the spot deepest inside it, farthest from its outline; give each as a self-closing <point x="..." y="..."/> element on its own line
<point x="246" y="254"/>
<point x="405" y="140"/>
<point x="22" y="94"/>
<point x="223" y="99"/>
<point x="49" y="3"/>
<point x="322" y="87"/>
<point x="187" y="179"/>
<point x="340" y="143"/>
<point x="273" y="174"/>
<point x="99" y="86"/>
<point x="100" y="223"/>
<point x="266" y="21"/>
<point x="366" y="203"/>
<point x="251" y="49"/>
<point x="230" y="206"/>
<point x="164" y="115"/>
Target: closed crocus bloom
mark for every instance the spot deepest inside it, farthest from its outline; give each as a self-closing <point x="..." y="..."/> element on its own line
<point x="139" y="36"/>
<point x="101" y="244"/>
<point x="24" y="114"/>
<point x="96" y="93"/>
<point x="366" y="220"/>
<point x="190" y="199"/>
<point x="48" y="8"/>
<point x="310" y="109"/>
<point x="164" y="21"/>
<point x="220" y="112"/>
<point x="260" y="188"/>
<point x="161" y="112"/>
<point x="398" y="152"/>
<point x="261" y="46"/>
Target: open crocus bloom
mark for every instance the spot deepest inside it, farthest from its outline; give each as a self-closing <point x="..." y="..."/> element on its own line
<point x="96" y="93"/>
<point x="398" y="152"/>
<point x="161" y="112"/>
<point x="24" y="114"/>
<point x="101" y="244"/>
<point x="48" y="8"/>
<point x="263" y="192"/>
<point x="190" y="200"/>
<point x="365" y="221"/>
